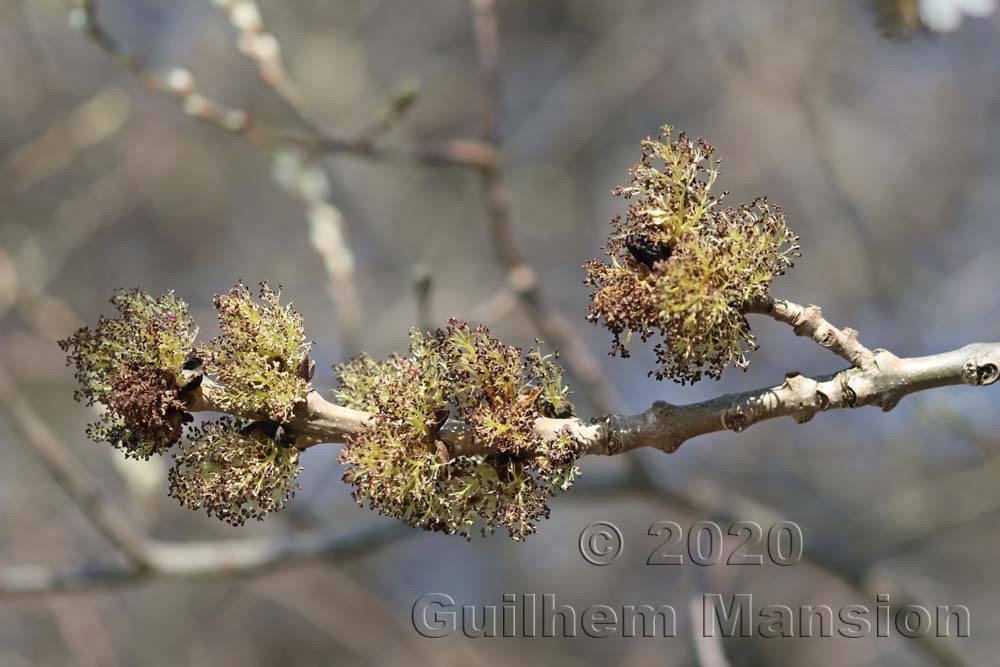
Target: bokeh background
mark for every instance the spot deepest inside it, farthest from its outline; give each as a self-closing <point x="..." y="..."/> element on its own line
<point x="883" y="153"/>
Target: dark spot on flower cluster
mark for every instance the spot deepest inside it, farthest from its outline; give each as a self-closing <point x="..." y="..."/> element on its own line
<point x="683" y="266"/>
<point x="647" y="251"/>
<point x="396" y="461"/>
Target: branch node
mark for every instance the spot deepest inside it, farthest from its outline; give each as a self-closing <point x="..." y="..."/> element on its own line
<point x="810" y="313"/>
<point x="803" y="392"/>
<point x="826" y="336"/>
<point x="850" y="396"/>
<point x="736" y="419"/>
<point x="614" y="429"/>
<point x="979" y="374"/>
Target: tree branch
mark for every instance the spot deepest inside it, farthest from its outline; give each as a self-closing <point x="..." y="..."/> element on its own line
<point x="808" y="321"/>
<point x="665" y="426"/>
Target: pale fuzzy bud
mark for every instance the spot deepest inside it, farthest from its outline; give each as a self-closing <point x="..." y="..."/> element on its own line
<point x="325" y="224"/>
<point x="266" y="47"/>
<point x="235" y="120"/>
<point x="197" y="106"/>
<point x="180" y="81"/>
<point x="246" y="17"/>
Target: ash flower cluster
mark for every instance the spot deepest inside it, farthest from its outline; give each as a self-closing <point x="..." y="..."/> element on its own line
<point x="685" y="267"/>
<point x="399" y="466"/>
<point x="262" y="356"/>
<point x="141" y="365"/>
<point x="132" y="364"/>
<point x="234" y="471"/>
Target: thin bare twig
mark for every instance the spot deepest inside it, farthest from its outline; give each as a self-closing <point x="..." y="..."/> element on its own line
<point x="522" y="278"/>
<point x="263" y="49"/>
<point x="180" y="85"/>
<point x="808" y="321"/>
<point x="403" y="97"/>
